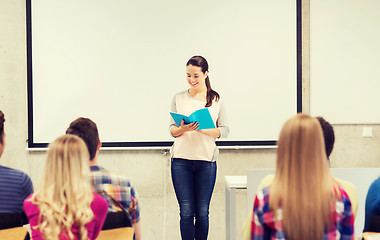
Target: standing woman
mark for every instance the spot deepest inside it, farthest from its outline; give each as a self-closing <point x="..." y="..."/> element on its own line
<point x="304" y="201"/>
<point x="66" y="207"/>
<point x="194" y="151"/>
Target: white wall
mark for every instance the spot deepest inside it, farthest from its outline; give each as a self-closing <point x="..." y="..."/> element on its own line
<point x="149" y="170"/>
<point x="344" y="52"/>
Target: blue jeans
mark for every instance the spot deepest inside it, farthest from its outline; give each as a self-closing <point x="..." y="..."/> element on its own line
<point x="193" y="183"/>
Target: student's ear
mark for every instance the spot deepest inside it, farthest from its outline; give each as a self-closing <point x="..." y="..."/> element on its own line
<point x="2" y="145"/>
<point x="1" y="149"/>
<point x="99" y="145"/>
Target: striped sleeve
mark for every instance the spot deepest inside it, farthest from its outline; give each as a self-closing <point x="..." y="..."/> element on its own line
<point x="27" y="186"/>
<point x="15" y="187"/>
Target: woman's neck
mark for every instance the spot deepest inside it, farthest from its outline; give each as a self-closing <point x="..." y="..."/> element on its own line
<point x="198" y="93"/>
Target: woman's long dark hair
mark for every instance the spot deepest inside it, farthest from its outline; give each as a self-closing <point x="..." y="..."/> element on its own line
<point x="200" y="61"/>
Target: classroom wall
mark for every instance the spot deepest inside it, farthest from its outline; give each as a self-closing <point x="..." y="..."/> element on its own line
<point x="149" y="170"/>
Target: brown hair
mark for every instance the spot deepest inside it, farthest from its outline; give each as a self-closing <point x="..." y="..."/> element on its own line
<point x="200" y="61"/>
<point x="328" y="134"/>
<point x="303" y="186"/>
<point x="2" y="120"/>
<point x="88" y="131"/>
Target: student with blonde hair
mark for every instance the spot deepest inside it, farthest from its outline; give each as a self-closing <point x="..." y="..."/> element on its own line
<point x="65" y="206"/>
<point x="304" y="201"/>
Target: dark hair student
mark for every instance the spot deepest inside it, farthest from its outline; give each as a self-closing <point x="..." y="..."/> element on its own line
<point x="194" y="151"/>
<point x="86" y="129"/>
<point x="328" y="133"/>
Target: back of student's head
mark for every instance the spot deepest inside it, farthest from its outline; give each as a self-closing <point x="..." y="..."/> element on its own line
<point x="2" y="120"/>
<point x="303" y="183"/>
<point x="328" y="133"/>
<point x="86" y="129"/>
<point x="66" y="161"/>
<point x="300" y="139"/>
<point x="65" y="193"/>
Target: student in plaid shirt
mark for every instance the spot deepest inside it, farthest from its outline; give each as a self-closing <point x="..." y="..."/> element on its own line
<point x="304" y="201"/>
<point x="110" y="185"/>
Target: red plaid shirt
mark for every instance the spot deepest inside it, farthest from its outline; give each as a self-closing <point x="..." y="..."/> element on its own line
<point x="264" y="226"/>
<point x="118" y="188"/>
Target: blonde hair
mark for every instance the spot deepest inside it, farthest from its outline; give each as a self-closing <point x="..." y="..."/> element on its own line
<point x="303" y="186"/>
<point x="65" y="194"/>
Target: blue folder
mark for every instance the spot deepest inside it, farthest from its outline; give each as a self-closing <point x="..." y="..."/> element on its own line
<point x="202" y="116"/>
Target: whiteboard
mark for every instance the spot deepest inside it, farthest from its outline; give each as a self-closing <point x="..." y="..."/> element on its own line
<point x="120" y="63"/>
<point x="345" y="60"/>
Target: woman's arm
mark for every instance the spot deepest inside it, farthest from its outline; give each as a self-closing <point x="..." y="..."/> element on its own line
<point x="213" y="132"/>
<point x="222" y="122"/>
<point x="222" y="130"/>
<point x="178" y="131"/>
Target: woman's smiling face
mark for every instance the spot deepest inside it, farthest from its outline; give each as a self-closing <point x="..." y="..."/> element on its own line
<point x="195" y="77"/>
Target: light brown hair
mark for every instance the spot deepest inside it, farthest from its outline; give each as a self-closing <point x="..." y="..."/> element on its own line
<point x="303" y="187"/>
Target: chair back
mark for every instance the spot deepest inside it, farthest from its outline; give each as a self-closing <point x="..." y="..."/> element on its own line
<point x="116" y="220"/>
<point x="374" y="224"/>
<point x="16" y="233"/>
<point x="11" y="220"/>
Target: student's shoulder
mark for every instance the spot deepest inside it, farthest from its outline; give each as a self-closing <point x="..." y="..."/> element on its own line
<point x="29" y="206"/>
<point x="266" y="181"/>
<point x="99" y="199"/>
<point x="114" y="178"/>
<point x="8" y="170"/>
<point x="15" y="173"/>
<point x="27" y="200"/>
<point x="346" y="191"/>
<point x="99" y="204"/>
<point x="119" y="178"/>
<point x="375" y="183"/>
<point x="374" y="188"/>
<point x="346" y="185"/>
<point x="261" y="202"/>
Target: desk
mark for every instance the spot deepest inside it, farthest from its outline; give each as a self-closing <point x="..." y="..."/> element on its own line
<point x="232" y="183"/>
